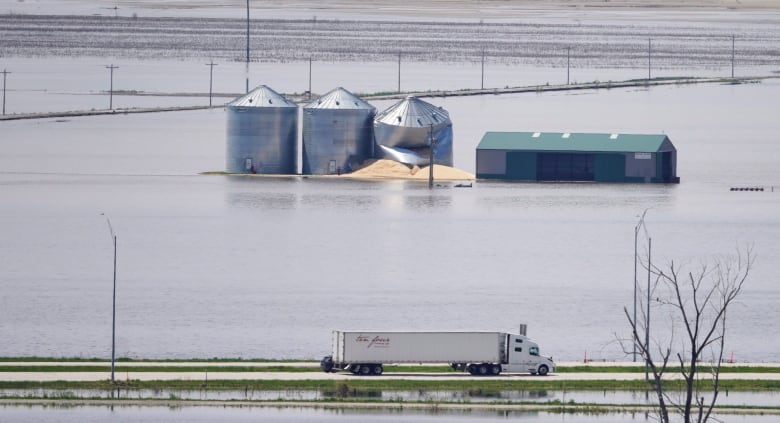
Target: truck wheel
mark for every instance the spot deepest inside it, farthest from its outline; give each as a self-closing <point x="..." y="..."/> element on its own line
<point x="365" y="369"/>
<point x="327" y="364"/>
<point x="354" y="368"/>
<point x="483" y="369"/>
<point x="495" y="369"/>
<point x="472" y="368"/>
<point x="377" y="370"/>
<point x="543" y="370"/>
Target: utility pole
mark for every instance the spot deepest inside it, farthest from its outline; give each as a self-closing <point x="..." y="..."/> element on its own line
<point x="111" y="88"/>
<point x="430" y="160"/>
<point x="482" y="85"/>
<point x="649" y="51"/>
<point x="568" y="56"/>
<point x="309" y="77"/>
<point x="732" y="55"/>
<point x="399" y="72"/>
<point x="211" y="77"/>
<point x="5" y="73"/>
<point x="247" y="45"/>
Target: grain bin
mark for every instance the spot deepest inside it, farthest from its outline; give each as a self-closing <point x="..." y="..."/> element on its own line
<point x="403" y="133"/>
<point x="262" y="133"/>
<point x="337" y="133"/>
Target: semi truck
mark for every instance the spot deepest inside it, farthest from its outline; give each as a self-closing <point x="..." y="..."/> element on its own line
<point x="479" y="353"/>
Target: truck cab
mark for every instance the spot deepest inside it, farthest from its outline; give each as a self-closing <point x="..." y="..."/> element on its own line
<point x="521" y="355"/>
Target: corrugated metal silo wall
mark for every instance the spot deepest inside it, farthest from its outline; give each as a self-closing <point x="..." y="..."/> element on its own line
<point x="266" y="135"/>
<point x="443" y="150"/>
<point x="335" y="140"/>
<point x="416" y="137"/>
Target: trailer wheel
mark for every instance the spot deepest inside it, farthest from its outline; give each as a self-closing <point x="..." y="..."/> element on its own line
<point x="483" y="369"/>
<point x="354" y="368"/>
<point x="365" y="369"/>
<point x="495" y="369"/>
<point x="472" y="368"/>
<point x="377" y="369"/>
<point x="543" y="370"/>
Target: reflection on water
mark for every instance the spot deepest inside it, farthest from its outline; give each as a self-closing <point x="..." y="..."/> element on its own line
<point x="253" y="413"/>
<point x="474" y="396"/>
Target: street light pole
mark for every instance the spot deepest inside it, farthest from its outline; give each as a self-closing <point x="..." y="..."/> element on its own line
<point x="113" y="305"/>
<point x="647" y="320"/>
<point x="636" y="234"/>
<point x="639" y="224"/>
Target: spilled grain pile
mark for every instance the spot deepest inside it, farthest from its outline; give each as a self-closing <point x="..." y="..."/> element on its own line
<point x="389" y="169"/>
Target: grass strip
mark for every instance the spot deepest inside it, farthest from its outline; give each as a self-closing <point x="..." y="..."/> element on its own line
<point x="379" y="384"/>
<point x="149" y="360"/>
<point x="159" y="369"/>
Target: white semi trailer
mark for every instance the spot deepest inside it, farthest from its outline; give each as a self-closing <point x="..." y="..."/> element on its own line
<point x="479" y="353"/>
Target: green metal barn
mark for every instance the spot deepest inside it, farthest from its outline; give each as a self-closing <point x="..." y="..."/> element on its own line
<point x="554" y="156"/>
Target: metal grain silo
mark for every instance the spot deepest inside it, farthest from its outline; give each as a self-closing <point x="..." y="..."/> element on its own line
<point x="337" y="133"/>
<point x="262" y="133"/>
<point x="403" y="133"/>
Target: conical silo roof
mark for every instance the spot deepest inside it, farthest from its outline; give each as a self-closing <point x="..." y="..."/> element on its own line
<point x="262" y="96"/>
<point x="339" y="98"/>
<point x="413" y="112"/>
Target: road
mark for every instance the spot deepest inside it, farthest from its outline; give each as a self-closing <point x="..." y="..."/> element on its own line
<point x="261" y="374"/>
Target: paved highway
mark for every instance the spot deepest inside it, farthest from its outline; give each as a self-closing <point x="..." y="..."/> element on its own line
<point x="57" y="374"/>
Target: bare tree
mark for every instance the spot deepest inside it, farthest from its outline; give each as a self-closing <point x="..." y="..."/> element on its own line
<point x="696" y="303"/>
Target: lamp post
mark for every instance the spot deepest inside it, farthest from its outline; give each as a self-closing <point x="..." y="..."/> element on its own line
<point x="113" y="304"/>
<point x="639" y="224"/>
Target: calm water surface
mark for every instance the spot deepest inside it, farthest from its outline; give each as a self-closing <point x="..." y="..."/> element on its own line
<point x="217" y="266"/>
<point x="87" y="414"/>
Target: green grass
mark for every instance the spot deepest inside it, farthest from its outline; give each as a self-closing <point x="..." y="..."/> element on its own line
<point x="379" y="383"/>
<point x="151" y="360"/>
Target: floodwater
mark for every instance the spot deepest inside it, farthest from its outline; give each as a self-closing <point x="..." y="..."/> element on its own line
<point x="88" y="414"/>
<point x="226" y="266"/>
<point x="477" y="396"/>
<point x="221" y="266"/>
